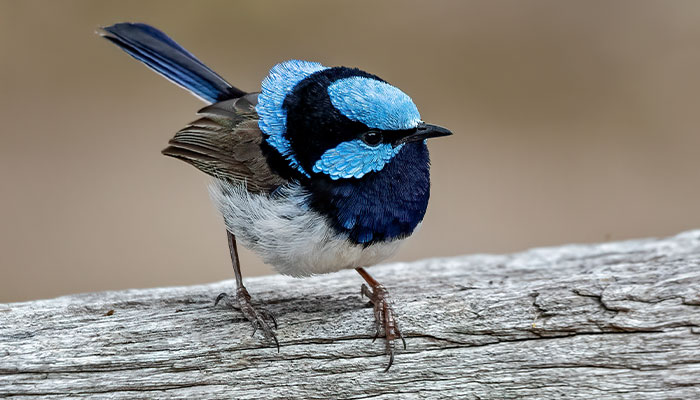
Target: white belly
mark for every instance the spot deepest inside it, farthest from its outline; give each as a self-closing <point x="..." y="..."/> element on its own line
<point x="287" y="234"/>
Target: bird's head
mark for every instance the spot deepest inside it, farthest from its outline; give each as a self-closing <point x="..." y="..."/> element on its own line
<point x="342" y="123"/>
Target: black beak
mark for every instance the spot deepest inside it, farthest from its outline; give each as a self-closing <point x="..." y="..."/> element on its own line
<point x="425" y="131"/>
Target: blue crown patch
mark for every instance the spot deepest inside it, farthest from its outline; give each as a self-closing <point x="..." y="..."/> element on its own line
<point x="375" y="103"/>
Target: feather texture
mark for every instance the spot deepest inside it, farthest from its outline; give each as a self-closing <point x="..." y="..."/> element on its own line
<point x="354" y="159"/>
<point x="273" y="116"/>
<point x="381" y="206"/>
<point x="163" y="55"/>
<point x="226" y="143"/>
<point x="375" y="103"/>
<point x="290" y="236"/>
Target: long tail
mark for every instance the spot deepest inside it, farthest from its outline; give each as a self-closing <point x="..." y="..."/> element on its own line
<point x="160" y="53"/>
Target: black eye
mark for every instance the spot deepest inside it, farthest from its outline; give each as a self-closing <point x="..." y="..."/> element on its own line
<point x="372" y="138"/>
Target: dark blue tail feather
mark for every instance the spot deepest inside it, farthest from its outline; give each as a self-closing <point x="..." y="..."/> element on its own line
<point x="160" y="53"/>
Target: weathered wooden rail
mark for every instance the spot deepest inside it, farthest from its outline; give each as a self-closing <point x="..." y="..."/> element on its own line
<point x="608" y="321"/>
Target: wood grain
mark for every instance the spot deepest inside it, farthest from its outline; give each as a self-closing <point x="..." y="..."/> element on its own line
<point x="607" y="321"/>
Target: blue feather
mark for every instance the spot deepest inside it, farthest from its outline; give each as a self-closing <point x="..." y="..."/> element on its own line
<point x="382" y="206"/>
<point x="163" y="55"/>
<point x="355" y="159"/>
<point x="277" y="85"/>
<point x="375" y="103"/>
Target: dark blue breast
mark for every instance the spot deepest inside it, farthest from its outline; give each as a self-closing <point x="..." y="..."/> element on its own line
<point x="382" y="205"/>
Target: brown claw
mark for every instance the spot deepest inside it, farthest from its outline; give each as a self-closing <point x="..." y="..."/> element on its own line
<point x="257" y="317"/>
<point x="385" y="318"/>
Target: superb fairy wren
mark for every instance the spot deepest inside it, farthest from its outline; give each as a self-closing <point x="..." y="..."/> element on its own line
<point x="323" y="169"/>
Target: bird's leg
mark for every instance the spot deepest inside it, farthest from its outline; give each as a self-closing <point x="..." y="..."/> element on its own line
<point x="384" y="316"/>
<point x="260" y="318"/>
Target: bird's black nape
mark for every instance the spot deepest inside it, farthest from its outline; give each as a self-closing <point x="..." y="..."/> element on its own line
<point x="163" y="55"/>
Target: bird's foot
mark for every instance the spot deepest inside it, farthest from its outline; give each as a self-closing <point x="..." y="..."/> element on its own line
<point x="384" y="319"/>
<point x="258" y="317"/>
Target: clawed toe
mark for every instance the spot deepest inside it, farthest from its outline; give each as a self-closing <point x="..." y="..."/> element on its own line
<point x="258" y="317"/>
<point x="384" y="319"/>
<point x="227" y="300"/>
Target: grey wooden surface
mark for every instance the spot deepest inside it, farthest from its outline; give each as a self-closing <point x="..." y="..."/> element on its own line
<point x="609" y="321"/>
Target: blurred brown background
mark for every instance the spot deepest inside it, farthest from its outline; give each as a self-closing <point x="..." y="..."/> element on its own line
<point x="574" y="121"/>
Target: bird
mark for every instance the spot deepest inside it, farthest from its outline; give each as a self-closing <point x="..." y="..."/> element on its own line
<point x="322" y="169"/>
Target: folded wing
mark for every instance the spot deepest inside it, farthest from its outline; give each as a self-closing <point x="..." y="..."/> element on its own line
<point x="225" y="143"/>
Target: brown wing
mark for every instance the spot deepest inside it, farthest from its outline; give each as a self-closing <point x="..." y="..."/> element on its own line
<point x="225" y="143"/>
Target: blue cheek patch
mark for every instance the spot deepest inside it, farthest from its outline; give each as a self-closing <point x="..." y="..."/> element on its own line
<point x="354" y="159"/>
<point x="279" y="83"/>
<point x="375" y="103"/>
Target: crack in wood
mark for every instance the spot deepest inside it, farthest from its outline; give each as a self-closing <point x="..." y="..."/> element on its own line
<point x="614" y="321"/>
